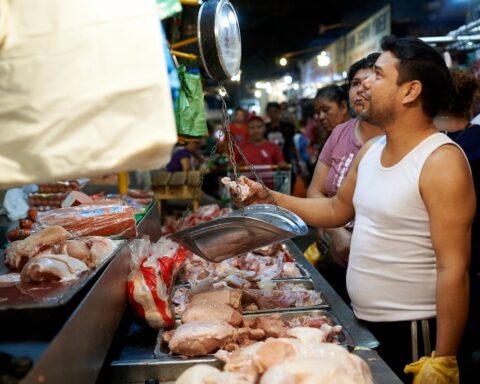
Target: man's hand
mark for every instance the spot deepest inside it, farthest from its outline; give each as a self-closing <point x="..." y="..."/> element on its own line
<point x="257" y="193"/>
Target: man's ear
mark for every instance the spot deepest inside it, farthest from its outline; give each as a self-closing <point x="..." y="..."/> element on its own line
<point x="344" y="106"/>
<point x="412" y="91"/>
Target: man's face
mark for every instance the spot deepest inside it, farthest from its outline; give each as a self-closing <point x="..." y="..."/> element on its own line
<point x="358" y="100"/>
<point x="274" y="113"/>
<point x="381" y="89"/>
<point x="256" y="131"/>
<point x="240" y="117"/>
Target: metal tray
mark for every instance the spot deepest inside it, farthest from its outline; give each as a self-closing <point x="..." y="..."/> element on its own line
<point x="306" y="283"/>
<point x="162" y="352"/>
<point x="17" y="295"/>
<point x="241" y="231"/>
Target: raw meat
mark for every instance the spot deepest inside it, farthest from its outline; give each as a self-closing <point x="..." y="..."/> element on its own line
<point x="92" y="250"/>
<point x="277" y="298"/>
<point x="238" y="188"/>
<point x="199" y="338"/>
<point x="19" y="252"/>
<point x="49" y="267"/>
<point x="228" y="297"/>
<point x="205" y="312"/>
<point x="205" y="374"/>
<point x="263" y="357"/>
<point x="313" y="371"/>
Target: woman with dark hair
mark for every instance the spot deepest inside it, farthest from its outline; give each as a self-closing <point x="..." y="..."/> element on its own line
<point x="333" y="165"/>
<point x="454" y="120"/>
<point x="331" y="107"/>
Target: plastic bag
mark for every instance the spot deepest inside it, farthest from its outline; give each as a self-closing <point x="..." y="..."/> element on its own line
<point x="92" y="220"/>
<point x="15" y="203"/>
<point x="154" y="268"/>
<point x="434" y="370"/>
<point x="190" y="107"/>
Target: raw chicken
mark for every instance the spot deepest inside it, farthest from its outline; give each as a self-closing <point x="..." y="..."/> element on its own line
<point x="229" y="297"/>
<point x="271" y="299"/>
<point x="205" y="312"/>
<point x="92" y="250"/>
<point x="239" y="188"/>
<point x="199" y="338"/>
<point x="313" y="371"/>
<point x="205" y="374"/>
<point x="268" y="250"/>
<point x="266" y="356"/>
<point x="18" y="254"/>
<point x="49" y="267"/>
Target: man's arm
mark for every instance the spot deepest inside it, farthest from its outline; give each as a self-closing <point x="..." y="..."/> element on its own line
<point x="317" y="212"/>
<point x="448" y="193"/>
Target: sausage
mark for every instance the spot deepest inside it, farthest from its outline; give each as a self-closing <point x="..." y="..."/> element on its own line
<point x="25" y="224"/>
<point x="18" y="234"/>
<point x="32" y="214"/>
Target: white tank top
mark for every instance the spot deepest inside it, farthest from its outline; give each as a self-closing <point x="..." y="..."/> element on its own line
<point x="392" y="267"/>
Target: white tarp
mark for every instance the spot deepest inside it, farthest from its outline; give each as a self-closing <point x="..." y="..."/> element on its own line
<point x="83" y="89"/>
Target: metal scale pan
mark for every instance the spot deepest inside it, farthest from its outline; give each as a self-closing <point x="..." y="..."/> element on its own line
<point x="241" y="231"/>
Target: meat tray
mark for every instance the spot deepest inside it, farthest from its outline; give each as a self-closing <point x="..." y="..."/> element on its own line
<point x="305" y="282"/>
<point x="162" y="352"/>
<point x="16" y="295"/>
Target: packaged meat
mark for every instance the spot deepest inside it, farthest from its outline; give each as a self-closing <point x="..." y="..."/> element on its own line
<point x="75" y="198"/>
<point x="92" y="220"/>
<point x="150" y="283"/>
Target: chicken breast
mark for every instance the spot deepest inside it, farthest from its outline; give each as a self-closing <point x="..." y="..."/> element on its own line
<point x="205" y="312"/>
<point x="199" y="338"/>
<point x="49" y="267"/>
<point x="229" y="297"/>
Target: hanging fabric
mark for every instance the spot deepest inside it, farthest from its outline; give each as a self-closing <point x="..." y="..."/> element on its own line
<point x="84" y="90"/>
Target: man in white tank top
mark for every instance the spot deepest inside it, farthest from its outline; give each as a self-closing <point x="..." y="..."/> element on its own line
<point x="412" y="196"/>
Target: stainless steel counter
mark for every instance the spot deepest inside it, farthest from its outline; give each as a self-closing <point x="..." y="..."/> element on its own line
<point x="75" y="350"/>
<point x="134" y="363"/>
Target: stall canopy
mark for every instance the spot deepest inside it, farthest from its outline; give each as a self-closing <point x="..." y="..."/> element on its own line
<point x="84" y="89"/>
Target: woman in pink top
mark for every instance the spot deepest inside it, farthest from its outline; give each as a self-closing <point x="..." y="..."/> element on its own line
<point x="333" y="165"/>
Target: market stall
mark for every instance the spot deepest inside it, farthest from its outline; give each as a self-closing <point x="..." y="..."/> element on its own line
<point x="135" y="356"/>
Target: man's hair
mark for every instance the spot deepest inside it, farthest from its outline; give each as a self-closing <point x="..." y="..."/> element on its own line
<point x="333" y="93"/>
<point x="465" y="91"/>
<point x="272" y="104"/>
<point x="419" y="61"/>
<point x="364" y="63"/>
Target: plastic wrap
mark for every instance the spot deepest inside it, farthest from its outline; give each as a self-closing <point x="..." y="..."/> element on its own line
<point x="150" y="283"/>
<point x="92" y="220"/>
